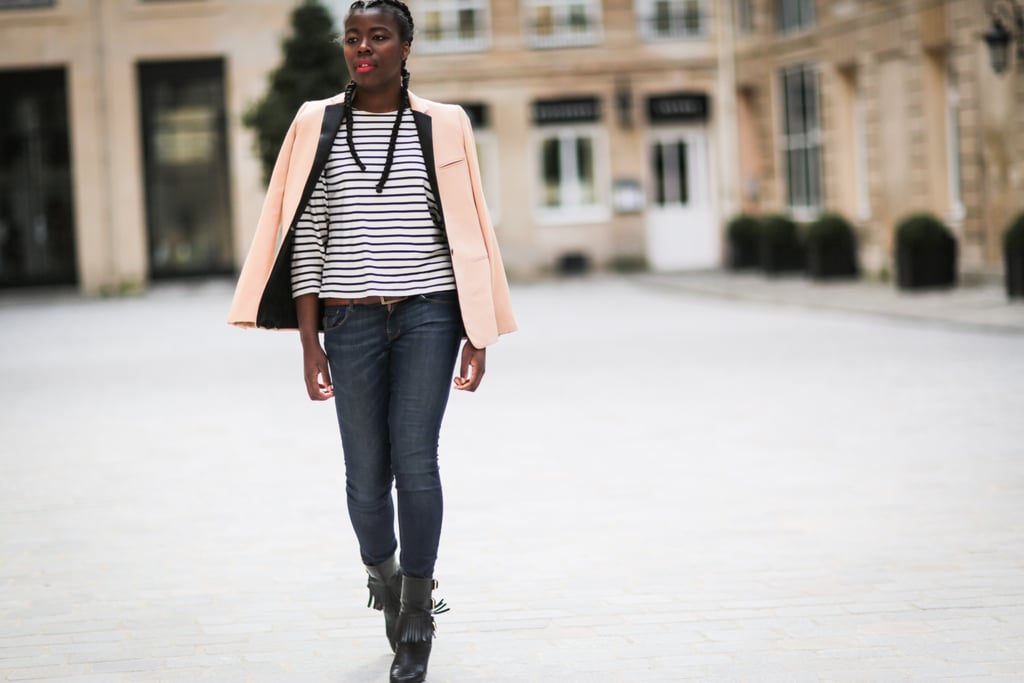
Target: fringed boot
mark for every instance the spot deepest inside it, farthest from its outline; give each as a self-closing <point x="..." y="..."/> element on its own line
<point x="385" y="584"/>
<point x="415" y="630"/>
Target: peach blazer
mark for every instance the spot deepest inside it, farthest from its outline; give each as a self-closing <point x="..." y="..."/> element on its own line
<point x="263" y="294"/>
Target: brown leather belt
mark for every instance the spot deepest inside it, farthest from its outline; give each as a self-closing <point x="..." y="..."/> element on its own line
<point x="378" y="300"/>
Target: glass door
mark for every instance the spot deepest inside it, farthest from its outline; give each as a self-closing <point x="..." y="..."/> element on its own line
<point x="184" y="138"/>
<point x="37" y="232"/>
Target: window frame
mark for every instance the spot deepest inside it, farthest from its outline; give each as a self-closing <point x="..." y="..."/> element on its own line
<point x="570" y="208"/>
<point x="647" y="17"/>
<point x="806" y="198"/>
<point x="561" y="11"/>
<point x="450" y="41"/>
<point x="794" y="16"/>
<point x="745" y="15"/>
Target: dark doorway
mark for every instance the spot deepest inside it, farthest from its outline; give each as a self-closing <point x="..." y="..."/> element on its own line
<point x="37" y="231"/>
<point x="184" y="138"/>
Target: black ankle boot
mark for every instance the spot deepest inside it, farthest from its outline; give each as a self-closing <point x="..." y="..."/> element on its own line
<point x="385" y="584"/>
<point x="415" y="630"/>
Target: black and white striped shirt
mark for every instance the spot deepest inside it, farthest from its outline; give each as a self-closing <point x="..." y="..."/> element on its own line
<point x="352" y="242"/>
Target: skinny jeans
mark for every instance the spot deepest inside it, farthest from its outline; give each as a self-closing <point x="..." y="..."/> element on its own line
<point x="392" y="366"/>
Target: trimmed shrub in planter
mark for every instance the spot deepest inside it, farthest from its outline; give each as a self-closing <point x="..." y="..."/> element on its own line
<point x="925" y="253"/>
<point x="831" y="248"/>
<point x="742" y="233"/>
<point x="1013" y="256"/>
<point x="779" y="248"/>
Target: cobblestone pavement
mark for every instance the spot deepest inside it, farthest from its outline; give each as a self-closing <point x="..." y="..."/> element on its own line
<point x="651" y="485"/>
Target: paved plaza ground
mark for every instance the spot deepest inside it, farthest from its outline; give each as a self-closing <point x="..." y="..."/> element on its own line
<point x="699" y="478"/>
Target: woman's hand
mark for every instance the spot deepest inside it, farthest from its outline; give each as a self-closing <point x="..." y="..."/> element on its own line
<point x="474" y="363"/>
<point x="317" y="373"/>
<point x="315" y="369"/>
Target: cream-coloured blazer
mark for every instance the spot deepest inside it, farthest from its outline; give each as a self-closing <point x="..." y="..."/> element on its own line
<point x="263" y="294"/>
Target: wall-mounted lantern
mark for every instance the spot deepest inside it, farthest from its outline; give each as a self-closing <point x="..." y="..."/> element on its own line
<point x="1005" y="13"/>
<point x="624" y="104"/>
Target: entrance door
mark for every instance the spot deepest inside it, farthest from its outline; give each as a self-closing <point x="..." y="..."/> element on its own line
<point x="681" y="229"/>
<point x="37" y="232"/>
<point x="184" y="136"/>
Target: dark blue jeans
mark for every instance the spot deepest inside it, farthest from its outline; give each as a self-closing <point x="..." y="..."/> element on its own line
<point x="392" y="369"/>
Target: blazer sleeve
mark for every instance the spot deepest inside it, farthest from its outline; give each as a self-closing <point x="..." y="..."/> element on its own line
<point x="499" y="283"/>
<point x="260" y="260"/>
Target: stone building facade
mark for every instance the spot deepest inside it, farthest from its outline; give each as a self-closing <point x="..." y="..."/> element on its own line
<point x="906" y="115"/>
<point x="611" y="132"/>
<point x="124" y="155"/>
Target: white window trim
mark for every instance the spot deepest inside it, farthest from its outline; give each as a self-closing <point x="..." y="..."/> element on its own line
<point x="645" y="20"/>
<point x="599" y="211"/>
<point x="561" y="38"/>
<point x="449" y="12"/>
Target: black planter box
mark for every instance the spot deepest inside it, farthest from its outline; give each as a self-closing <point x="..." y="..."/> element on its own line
<point x="742" y="254"/>
<point x="828" y="261"/>
<point x="1014" y="260"/>
<point x="781" y="257"/>
<point x="926" y="265"/>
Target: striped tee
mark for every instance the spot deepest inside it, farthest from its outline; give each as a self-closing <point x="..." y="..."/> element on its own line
<point x="352" y="242"/>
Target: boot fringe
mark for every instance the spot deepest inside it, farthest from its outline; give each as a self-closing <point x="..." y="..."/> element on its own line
<point x="379" y="603"/>
<point x="416" y="629"/>
<point x="383" y="594"/>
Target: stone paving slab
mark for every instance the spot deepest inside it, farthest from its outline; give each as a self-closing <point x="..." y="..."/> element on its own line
<point x="652" y="485"/>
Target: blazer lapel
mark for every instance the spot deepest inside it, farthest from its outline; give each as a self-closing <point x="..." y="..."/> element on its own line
<point x="277" y="308"/>
<point x="425" y="131"/>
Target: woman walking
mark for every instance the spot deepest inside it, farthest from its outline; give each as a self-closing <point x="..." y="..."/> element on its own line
<point x="387" y="248"/>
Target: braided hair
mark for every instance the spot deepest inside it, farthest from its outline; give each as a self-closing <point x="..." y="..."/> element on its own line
<point x="406" y="28"/>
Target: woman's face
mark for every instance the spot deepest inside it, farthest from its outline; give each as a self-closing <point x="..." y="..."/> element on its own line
<point x="374" y="50"/>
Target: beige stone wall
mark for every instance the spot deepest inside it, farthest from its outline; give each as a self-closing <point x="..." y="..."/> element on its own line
<point x="894" y="57"/>
<point x="902" y="57"/>
<point x="100" y="42"/>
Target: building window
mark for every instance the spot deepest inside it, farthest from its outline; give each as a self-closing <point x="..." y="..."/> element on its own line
<point x="452" y="25"/>
<point x="671" y="18"/>
<point x="801" y="139"/>
<point x="561" y="23"/>
<point x="745" y="16"/>
<point x="793" y="15"/>
<point x="19" y="4"/>
<point x="567" y="169"/>
<point x="571" y="160"/>
<point x="671" y="176"/>
<point x="956" y="198"/>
